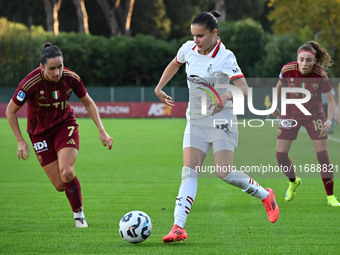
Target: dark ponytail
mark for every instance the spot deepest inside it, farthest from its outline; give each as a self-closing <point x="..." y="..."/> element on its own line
<point x="49" y="51"/>
<point x="208" y="19"/>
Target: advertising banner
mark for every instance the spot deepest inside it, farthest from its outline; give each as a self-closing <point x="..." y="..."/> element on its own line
<point x="120" y="110"/>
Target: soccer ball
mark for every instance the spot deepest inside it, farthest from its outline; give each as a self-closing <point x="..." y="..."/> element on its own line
<point x="135" y="226"/>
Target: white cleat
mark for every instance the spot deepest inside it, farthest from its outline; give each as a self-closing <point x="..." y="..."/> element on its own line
<point x="80" y="222"/>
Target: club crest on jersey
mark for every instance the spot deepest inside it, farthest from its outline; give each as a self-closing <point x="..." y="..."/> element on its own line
<point x="209" y="68"/>
<point x="21" y="95"/>
<point x="42" y="92"/>
<point x="315" y="86"/>
<point x="56" y="94"/>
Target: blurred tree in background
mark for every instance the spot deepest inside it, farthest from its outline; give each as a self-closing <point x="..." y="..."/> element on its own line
<point x="165" y="19"/>
<point x="128" y="42"/>
<point x="309" y="20"/>
<point x="150" y="18"/>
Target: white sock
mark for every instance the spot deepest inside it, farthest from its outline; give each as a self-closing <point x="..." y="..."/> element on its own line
<point x="79" y="214"/>
<point x="186" y="195"/>
<point x="247" y="184"/>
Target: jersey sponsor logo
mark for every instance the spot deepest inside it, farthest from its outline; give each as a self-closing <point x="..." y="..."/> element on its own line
<point x="44" y="105"/>
<point x="62" y="104"/>
<point x="195" y="79"/>
<point x="40" y="146"/>
<point x="56" y="94"/>
<point x="21" y="96"/>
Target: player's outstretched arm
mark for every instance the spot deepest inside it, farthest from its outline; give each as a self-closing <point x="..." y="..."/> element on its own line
<point x="168" y="73"/>
<point x="23" y="148"/>
<point x="91" y="107"/>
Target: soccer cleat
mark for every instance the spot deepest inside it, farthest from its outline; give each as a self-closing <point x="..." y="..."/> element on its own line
<point x="177" y="234"/>
<point x="271" y="206"/>
<point x="333" y="201"/>
<point x="80" y="222"/>
<point x="292" y="188"/>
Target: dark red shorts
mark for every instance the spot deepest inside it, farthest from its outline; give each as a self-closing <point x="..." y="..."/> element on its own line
<point x="289" y="128"/>
<point x="47" y="145"/>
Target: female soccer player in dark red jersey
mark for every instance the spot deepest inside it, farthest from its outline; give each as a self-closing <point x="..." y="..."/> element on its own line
<point x="307" y="72"/>
<point x="51" y="124"/>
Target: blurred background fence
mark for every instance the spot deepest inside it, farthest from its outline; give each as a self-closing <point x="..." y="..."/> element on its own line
<point x="142" y="101"/>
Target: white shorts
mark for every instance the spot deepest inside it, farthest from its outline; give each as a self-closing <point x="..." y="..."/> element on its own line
<point x="201" y="144"/>
<point x="202" y="133"/>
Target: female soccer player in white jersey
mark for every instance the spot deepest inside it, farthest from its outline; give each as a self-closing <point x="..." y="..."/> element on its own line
<point x="208" y="63"/>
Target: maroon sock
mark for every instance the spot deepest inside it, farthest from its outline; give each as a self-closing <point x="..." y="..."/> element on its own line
<point x="73" y="193"/>
<point x="327" y="174"/>
<point x="286" y="165"/>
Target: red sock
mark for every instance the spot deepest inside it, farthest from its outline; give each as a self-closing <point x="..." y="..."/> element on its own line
<point x="73" y="193"/>
<point x="286" y="165"/>
<point x="327" y="174"/>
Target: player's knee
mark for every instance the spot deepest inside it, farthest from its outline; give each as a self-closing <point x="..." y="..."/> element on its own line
<point x="281" y="156"/>
<point x="60" y="187"/>
<point x="66" y="175"/>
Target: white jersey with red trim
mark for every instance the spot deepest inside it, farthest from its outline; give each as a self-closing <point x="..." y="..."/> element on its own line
<point x="204" y="72"/>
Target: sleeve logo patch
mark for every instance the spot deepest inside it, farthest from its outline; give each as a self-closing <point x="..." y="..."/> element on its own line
<point x="21" y="95"/>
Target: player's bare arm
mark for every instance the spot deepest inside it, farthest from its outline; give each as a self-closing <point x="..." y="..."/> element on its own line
<point x="168" y="73"/>
<point x="241" y="83"/>
<point x="279" y="85"/>
<point x="330" y="113"/>
<point x="23" y="148"/>
<point x="94" y="114"/>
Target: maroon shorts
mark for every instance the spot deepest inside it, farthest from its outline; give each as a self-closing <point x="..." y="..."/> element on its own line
<point x="289" y="128"/>
<point x="47" y="145"/>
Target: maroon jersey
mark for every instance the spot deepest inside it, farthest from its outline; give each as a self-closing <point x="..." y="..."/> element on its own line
<point x="316" y="82"/>
<point x="47" y="101"/>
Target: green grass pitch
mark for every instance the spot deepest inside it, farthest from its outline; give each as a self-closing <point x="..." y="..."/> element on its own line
<point x="142" y="172"/>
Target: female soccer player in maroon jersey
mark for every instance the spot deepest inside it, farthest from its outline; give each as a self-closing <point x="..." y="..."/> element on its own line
<point x="307" y="72"/>
<point x="51" y="124"/>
